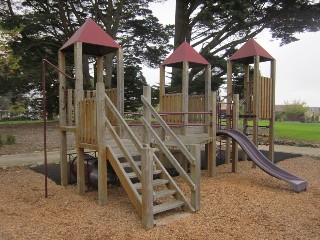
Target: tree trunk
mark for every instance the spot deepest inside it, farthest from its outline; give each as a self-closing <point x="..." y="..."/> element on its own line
<point x="182" y="33"/>
<point x="108" y="68"/>
<point x="86" y="73"/>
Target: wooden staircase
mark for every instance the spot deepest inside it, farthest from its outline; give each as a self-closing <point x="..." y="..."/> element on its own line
<point x="165" y="192"/>
<point x="149" y="186"/>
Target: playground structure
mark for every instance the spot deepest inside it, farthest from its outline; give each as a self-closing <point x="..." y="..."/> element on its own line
<point x="259" y="94"/>
<point x="97" y="119"/>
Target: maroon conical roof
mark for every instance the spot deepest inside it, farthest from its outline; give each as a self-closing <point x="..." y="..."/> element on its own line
<point x="95" y="40"/>
<point x="185" y="53"/>
<point x="247" y="52"/>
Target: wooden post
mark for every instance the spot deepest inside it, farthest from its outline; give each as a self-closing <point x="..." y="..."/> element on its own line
<point x="207" y="106"/>
<point x="195" y="174"/>
<point x="272" y="118"/>
<point x="70" y="106"/>
<point x="185" y="94"/>
<point x="246" y="103"/>
<point x="120" y="88"/>
<point x="212" y="146"/>
<point x="147" y="188"/>
<point x="101" y="137"/>
<point x="235" y="118"/>
<point x="147" y="114"/>
<point x="229" y="101"/>
<point x="256" y="95"/>
<point x="63" y="120"/>
<point x="162" y="87"/>
<point x="78" y="99"/>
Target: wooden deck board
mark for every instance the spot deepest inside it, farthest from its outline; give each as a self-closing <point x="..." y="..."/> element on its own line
<point x="200" y="139"/>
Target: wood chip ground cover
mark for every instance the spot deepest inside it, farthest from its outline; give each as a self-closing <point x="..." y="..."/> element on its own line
<point x="246" y="205"/>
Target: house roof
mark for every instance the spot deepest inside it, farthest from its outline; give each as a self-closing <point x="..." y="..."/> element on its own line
<point x="247" y="52"/>
<point x="185" y="53"/>
<point x="95" y="40"/>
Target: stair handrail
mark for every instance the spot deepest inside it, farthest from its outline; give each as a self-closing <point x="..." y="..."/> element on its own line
<point x="173" y="136"/>
<point x="130" y="133"/>
<point x="120" y="119"/>
<point x="124" y="151"/>
<point x="169" y="155"/>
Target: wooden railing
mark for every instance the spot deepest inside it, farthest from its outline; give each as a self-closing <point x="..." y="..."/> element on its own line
<point x="88" y="123"/>
<point x="196" y="104"/>
<point x="265" y="98"/>
<point x="173" y="103"/>
<point x="70" y="95"/>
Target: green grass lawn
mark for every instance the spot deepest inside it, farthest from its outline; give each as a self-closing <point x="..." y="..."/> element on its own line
<point x="19" y="122"/>
<point x="309" y="132"/>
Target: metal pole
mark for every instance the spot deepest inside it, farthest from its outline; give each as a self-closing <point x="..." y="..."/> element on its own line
<point x="44" y="114"/>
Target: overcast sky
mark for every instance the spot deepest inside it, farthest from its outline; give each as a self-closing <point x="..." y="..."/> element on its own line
<point x="298" y="65"/>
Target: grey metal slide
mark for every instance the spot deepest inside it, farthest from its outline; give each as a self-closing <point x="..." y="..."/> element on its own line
<point x="298" y="184"/>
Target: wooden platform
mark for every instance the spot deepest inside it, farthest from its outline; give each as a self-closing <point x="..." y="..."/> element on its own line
<point x="195" y="139"/>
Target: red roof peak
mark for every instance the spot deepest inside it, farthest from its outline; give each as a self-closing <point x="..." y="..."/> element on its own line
<point x="185" y="53"/>
<point x="96" y="40"/>
<point x="247" y="52"/>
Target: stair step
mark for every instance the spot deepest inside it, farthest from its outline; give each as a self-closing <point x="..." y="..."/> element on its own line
<point x="156" y="182"/>
<point x="163" y="193"/>
<point x="167" y="206"/>
<point x="126" y="164"/>
<point x="133" y="174"/>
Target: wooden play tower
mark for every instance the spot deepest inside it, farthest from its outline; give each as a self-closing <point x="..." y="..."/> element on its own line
<point x="259" y="94"/>
<point x="77" y="105"/>
<point x="195" y="114"/>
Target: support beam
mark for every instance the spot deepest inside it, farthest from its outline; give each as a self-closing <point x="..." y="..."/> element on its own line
<point x="229" y="101"/>
<point x="78" y="98"/>
<point x="101" y="137"/>
<point x="63" y="119"/>
<point x="212" y="146"/>
<point x="207" y="93"/>
<point x="162" y="87"/>
<point x="247" y="102"/>
<point x="120" y="88"/>
<point x="147" y="114"/>
<point x="185" y="94"/>
<point x="235" y="118"/>
<point x="272" y="118"/>
<point x="147" y="188"/>
<point x="256" y="95"/>
<point x="195" y="174"/>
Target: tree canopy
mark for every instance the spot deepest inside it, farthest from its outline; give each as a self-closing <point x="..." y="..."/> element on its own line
<point x="218" y="27"/>
<point x="32" y="30"/>
<point x="45" y="25"/>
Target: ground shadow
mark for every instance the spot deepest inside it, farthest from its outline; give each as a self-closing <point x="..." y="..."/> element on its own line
<point x="54" y="169"/>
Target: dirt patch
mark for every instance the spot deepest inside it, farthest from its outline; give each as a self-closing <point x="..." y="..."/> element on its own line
<point x="29" y="138"/>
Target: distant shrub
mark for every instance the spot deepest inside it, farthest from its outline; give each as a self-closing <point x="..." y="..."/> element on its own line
<point x="10" y="139"/>
<point x="1" y="141"/>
